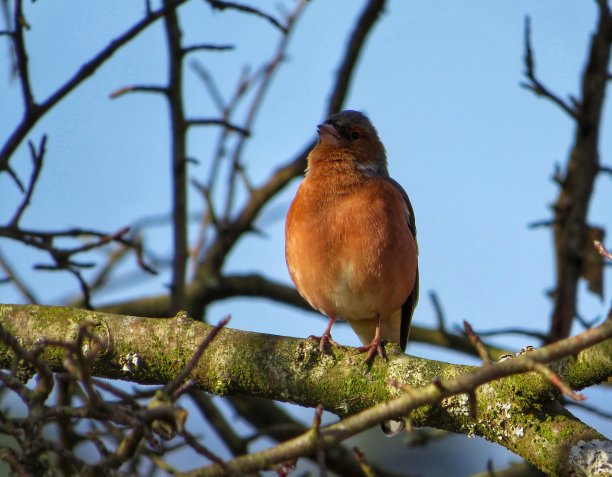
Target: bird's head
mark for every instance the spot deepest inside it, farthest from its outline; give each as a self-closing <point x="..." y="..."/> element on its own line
<point x="351" y="135"/>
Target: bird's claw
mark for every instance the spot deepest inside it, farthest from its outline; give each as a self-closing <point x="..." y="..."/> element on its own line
<point x="375" y="346"/>
<point x="323" y="340"/>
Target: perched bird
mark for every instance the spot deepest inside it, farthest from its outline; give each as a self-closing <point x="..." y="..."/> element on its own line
<point x="350" y="236"/>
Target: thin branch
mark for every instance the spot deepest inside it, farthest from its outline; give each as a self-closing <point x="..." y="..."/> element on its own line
<point x="556" y="381"/>
<point x="210" y="84"/>
<point x="538" y="224"/>
<point x="275" y="423"/>
<point x="477" y="343"/>
<point x="222" y="5"/>
<point x="37" y="163"/>
<point x="435" y="301"/>
<point x="354" y="47"/>
<point x="534" y="84"/>
<point x="206" y="47"/>
<point x="139" y="89"/>
<point x="219" y="152"/>
<point x="86" y="70"/>
<point x="83" y="285"/>
<point x="514" y="331"/>
<point x="19" y="23"/>
<point x="267" y="74"/>
<point x="172" y="386"/>
<point x="194" y="443"/>
<point x="16" y="280"/>
<point x="13" y="175"/>
<point x="233" y="442"/>
<point x="218" y="122"/>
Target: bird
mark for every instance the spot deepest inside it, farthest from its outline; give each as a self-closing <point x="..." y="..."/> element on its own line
<point x="350" y="237"/>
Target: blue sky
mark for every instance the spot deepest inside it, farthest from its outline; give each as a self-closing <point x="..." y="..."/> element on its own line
<point x="440" y="81"/>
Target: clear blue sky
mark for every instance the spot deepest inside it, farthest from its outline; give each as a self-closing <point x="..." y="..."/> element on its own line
<point x="440" y="81"/>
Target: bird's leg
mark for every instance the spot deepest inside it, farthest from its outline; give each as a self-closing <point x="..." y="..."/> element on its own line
<point x="326" y="336"/>
<point x="374" y="346"/>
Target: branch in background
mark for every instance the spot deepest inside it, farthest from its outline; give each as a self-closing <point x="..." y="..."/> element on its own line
<point x="534" y="84"/>
<point x="37" y="163"/>
<point x="179" y="174"/>
<point x="570" y="228"/>
<point x="23" y="72"/>
<point x="139" y="89"/>
<point x="477" y="343"/>
<point x="515" y="331"/>
<point x="222" y="5"/>
<point x="63" y="257"/>
<point x="210" y="412"/>
<point x="37" y="110"/>
<point x="14" y="278"/>
<point x="33" y="111"/>
<point x="370" y="14"/>
<point x="206" y="47"/>
<point x="220" y="150"/>
<point x="265" y="76"/>
<point x="275" y="423"/>
<point x="123" y="429"/>
<point x="218" y="122"/>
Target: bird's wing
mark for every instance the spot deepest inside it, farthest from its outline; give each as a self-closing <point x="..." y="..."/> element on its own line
<point x="409" y="210"/>
<point x="412" y="300"/>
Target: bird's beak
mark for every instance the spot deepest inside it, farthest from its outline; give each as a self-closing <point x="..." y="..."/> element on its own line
<point x="328" y="135"/>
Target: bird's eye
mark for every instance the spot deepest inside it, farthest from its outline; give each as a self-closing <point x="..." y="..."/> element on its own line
<point x="354" y="135"/>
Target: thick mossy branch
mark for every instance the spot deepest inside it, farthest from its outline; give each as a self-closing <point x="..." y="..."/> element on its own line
<point x="520" y="412"/>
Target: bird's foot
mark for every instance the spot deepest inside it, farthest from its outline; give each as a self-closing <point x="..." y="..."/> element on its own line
<point x="375" y="346"/>
<point x="324" y="340"/>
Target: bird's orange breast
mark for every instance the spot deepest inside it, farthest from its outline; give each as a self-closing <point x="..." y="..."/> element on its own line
<point x="349" y="250"/>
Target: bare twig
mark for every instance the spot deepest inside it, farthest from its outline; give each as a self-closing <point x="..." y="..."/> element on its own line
<point x="207" y="47"/>
<point x="533" y="83"/>
<point x="354" y="47"/>
<point x="37" y="163"/>
<point x="267" y="73"/>
<point x="139" y="89"/>
<point x="483" y="352"/>
<point x="514" y="331"/>
<point x="218" y="122"/>
<point x="435" y="301"/>
<point x="222" y="5"/>
<point x="172" y="386"/>
<point x="38" y="110"/>
<point x="15" y="279"/>
<point x="19" y="23"/>
<point x="556" y="381"/>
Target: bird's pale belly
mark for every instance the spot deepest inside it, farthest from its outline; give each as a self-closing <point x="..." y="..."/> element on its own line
<point x="358" y="294"/>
